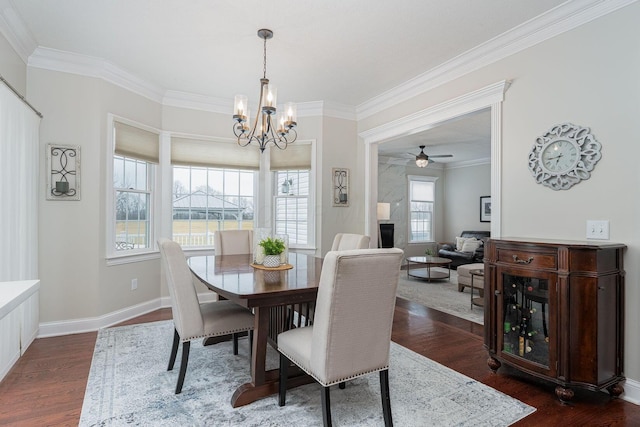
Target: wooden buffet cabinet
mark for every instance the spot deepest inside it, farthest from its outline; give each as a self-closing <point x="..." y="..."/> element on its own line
<point x="555" y="309"/>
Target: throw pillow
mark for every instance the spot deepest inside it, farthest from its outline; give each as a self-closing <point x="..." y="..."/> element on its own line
<point x="459" y="242"/>
<point x="470" y="245"/>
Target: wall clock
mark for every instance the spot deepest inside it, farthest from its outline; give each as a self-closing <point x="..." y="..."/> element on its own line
<point x="564" y="156"/>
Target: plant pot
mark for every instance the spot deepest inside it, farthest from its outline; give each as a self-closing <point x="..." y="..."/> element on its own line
<point x="271" y="261"/>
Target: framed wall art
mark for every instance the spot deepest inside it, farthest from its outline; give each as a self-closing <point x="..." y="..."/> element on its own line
<point x="485" y="209"/>
<point x="63" y="172"/>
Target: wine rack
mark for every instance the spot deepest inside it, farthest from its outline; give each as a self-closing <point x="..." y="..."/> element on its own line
<point x="554" y="309"/>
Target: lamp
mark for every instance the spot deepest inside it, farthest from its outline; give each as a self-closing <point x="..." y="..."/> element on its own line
<point x="422" y="160"/>
<point x="384" y="211"/>
<point x="265" y="129"/>
<point x="385" y="234"/>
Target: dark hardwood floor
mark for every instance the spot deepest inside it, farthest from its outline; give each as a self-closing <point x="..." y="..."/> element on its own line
<point x="46" y="387"/>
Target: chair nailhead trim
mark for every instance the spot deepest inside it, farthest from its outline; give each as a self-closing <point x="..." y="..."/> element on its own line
<point x="216" y="335"/>
<point x="351" y="377"/>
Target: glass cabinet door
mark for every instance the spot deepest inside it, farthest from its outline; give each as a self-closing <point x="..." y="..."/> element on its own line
<point x="525" y="314"/>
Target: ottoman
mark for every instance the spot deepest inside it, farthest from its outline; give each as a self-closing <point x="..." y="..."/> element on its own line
<point x="464" y="278"/>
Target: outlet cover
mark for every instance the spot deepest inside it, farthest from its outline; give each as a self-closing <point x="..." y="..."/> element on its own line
<point x="134" y="284"/>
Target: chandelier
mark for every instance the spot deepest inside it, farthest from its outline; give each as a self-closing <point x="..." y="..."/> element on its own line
<point x="265" y="129"/>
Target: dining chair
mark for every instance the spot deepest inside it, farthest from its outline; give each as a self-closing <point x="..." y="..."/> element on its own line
<point x="351" y="332"/>
<point x="191" y="319"/>
<point x="233" y="242"/>
<point x="346" y="241"/>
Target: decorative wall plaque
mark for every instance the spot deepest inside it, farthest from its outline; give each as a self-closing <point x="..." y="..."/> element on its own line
<point x="63" y="172"/>
<point x="340" y="183"/>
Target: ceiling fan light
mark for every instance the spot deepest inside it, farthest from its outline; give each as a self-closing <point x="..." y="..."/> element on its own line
<point x="421" y="162"/>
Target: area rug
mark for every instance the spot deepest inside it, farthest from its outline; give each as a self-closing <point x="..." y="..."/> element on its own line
<point x="441" y="295"/>
<point x="129" y="385"/>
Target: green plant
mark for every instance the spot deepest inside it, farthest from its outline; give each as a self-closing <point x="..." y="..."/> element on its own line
<point x="272" y="246"/>
<point x="429" y="252"/>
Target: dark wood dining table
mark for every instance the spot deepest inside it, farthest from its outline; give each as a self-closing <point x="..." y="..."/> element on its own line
<point x="280" y="299"/>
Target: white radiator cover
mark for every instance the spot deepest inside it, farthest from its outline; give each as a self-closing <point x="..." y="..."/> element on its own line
<point x="19" y="319"/>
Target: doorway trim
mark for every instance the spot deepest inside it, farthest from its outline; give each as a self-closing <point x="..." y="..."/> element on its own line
<point x="490" y="96"/>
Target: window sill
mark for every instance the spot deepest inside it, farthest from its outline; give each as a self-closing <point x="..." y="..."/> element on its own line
<point x="131" y="258"/>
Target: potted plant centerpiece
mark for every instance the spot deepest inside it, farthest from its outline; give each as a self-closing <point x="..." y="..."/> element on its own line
<point x="273" y="247"/>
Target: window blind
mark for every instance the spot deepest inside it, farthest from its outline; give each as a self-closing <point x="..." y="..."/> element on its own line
<point x="208" y="153"/>
<point x="296" y="156"/>
<point x="135" y="142"/>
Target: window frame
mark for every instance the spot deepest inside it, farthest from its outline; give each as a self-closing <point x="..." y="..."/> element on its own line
<point x="114" y="257"/>
<point x="421" y="178"/>
<point x="207" y="169"/>
<point x="275" y="195"/>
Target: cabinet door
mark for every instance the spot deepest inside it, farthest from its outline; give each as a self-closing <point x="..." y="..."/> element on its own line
<point x="526" y="306"/>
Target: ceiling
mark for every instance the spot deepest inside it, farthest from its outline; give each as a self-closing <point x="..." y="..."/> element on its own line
<point x="467" y="138"/>
<point x="343" y="52"/>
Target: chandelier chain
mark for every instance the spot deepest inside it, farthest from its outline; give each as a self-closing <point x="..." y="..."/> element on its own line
<point x="264" y="69"/>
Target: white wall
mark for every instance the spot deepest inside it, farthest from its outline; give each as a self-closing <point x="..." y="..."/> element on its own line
<point x="12" y="68"/>
<point x="587" y="76"/>
<point x="339" y="149"/>
<point x="463" y="187"/>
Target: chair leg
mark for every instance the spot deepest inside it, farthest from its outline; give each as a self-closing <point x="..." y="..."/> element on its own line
<point x="235" y="344"/>
<point x="386" y="400"/>
<point x="250" y="344"/>
<point x="282" y="387"/>
<point x="174" y="350"/>
<point x="326" y="407"/>
<point x="183" y="365"/>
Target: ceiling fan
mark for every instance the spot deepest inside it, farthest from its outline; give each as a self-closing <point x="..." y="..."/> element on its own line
<point x="422" y="160"/>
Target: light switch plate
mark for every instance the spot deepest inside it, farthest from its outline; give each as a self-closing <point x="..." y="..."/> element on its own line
<point x="598" y="229"/>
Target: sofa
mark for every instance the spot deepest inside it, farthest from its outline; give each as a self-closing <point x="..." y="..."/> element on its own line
<point x="459" y="254"/>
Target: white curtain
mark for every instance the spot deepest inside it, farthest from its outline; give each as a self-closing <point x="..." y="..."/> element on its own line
<point x="19" y="178"/>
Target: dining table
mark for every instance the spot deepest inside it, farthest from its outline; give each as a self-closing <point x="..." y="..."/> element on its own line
<point x="280" y="298"/>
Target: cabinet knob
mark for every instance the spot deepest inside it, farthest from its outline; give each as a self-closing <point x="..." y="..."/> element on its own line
<point x="497" y="292"/>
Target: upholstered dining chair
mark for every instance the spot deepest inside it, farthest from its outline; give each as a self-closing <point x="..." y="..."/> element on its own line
<point x="351" y="332"/>
<point x="233" y="242"/>
<point x="346" y="241"/>
<point x="191" y="319"/>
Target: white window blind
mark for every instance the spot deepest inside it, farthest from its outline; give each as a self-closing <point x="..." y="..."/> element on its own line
<point x="138" y="143"/>
<point x="217" y="154"/>
<point x="297" y="156"/>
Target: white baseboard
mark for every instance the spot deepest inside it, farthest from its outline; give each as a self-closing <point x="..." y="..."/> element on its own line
<point x="631" y="391"/>
<point x="90" y="324"/>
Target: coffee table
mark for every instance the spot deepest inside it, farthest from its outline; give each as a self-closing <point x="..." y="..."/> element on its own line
<point x="429" y="262"/>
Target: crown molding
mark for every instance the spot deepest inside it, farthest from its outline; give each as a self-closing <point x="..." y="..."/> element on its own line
<point x="15" y="31"/>
<point x="174" y="98"/>
<point x="430" y="117"/>
<point x="556" y="21"/>
<point x="468" y="163"/>
<point x="73" y="63"/>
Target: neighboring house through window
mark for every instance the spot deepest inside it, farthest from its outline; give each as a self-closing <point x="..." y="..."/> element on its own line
<point x="206" y="200"/>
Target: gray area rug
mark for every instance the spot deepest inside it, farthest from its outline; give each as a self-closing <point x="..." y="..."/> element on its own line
<point x="441" y="295"/>
<point x="129" y="385"/>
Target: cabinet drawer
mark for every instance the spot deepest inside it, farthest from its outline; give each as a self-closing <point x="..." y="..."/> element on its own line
<point x="527" y="258"/>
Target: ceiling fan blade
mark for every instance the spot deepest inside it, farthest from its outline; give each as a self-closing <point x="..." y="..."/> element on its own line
<point x="440" y="155"/>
